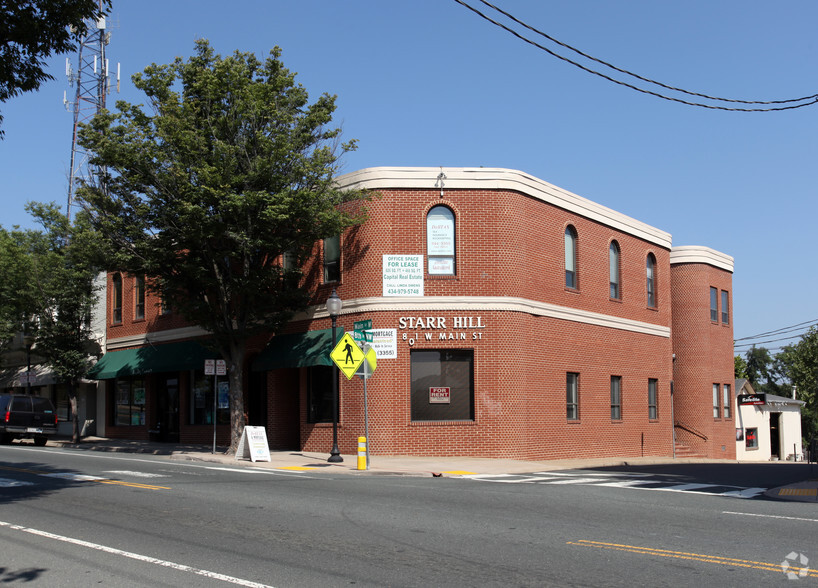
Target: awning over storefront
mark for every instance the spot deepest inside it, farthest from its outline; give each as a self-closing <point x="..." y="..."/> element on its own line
<point x="297" y="350"/>
<point x="170" y="357"/>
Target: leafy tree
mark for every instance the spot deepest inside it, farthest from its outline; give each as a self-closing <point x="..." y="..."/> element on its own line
<point x="47" y="290"/>
<point x="231" y="170"/>
<point x="739" y="367"/>
<point x="760" y="370"/>
<point x="31" y="31"/>
<point x="799" y="364"/>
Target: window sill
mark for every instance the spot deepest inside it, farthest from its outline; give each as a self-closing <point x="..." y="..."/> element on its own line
<point x="442" y="423"/>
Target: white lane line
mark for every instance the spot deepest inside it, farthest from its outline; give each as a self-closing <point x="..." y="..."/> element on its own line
<point x="744" y="493"/>
<point x="9" y="483"/>
<point x="136" y="474"/>
<point x="752" y="514"/>
<point x="136" y="556"/>
<point x="73" y="477"/>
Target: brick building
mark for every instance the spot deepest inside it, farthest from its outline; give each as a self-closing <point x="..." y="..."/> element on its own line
<point x="512" y="319"/>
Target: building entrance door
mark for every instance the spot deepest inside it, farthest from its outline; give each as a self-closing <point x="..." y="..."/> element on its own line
<point x="775" y="435"/>
<point x="167" y="408"/>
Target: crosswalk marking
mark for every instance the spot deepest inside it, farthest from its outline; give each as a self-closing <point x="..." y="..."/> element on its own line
<point x="636" y="481"/>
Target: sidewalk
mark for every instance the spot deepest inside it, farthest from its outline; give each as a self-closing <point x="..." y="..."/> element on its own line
<point x="806" y="491"/>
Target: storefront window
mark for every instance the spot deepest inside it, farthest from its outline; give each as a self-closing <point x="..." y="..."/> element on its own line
<point x="201" y="401"/>
<point x="319" y="394"/>
<point x="751" y="439"/>
<point x="130" y="402"/>
<point x="442" y="385"/>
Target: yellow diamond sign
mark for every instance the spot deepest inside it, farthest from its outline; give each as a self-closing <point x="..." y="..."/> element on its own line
<point x="347" y="356"/>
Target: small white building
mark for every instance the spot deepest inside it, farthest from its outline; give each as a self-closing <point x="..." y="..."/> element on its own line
<point x="768" y="427"/>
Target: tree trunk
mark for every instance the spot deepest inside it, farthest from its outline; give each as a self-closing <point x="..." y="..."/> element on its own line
<point x="238" y="419"/>
<point x="72" y="399"/>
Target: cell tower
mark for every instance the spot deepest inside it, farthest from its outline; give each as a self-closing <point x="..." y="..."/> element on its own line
<point x="93" y="84"/>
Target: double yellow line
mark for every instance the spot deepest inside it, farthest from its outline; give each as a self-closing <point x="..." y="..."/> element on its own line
<point x="702" y="557"/>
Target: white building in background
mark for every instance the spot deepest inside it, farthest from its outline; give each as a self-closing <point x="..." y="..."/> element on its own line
<point x="768" y="427"/>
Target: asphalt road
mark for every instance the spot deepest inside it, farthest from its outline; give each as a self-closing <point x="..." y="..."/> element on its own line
<point x="76" y="518"/>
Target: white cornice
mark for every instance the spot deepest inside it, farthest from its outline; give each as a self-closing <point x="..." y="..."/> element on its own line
<point x="488" y="304"/>
<point x="486" y="178"/>
<point x="425" y="305"/>
<point x="697" y="254"/>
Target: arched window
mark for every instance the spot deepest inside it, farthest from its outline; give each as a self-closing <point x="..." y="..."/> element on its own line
<point x="613" y="262"/>
<point x="116" y="299"/>
<point x="651" y="280"/>
<point x="440" y="245"/>
<point x="570" y="257"/>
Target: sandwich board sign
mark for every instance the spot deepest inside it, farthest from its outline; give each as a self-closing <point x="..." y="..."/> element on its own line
<point x="253" y="444"/>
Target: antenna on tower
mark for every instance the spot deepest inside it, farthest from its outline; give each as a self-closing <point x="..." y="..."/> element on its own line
<point x="93" y="84"/>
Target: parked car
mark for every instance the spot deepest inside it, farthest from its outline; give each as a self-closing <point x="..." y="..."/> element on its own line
<point x="26" y="417"/>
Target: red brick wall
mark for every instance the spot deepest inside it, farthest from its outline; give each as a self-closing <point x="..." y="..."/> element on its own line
<point x="704" y="356"/>
<point x="511" y="246"/>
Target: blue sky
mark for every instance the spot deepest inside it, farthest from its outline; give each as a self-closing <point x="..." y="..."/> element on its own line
<point x="429" y="83"/>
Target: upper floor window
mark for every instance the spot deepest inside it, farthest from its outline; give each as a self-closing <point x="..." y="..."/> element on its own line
<point x="725" y="307"/>
<point x="440" y="245"/>
<point x="616" y="398"/>
<point x="714" y="304"/>
<point x="613" y="263"/>
<point x="651" y="280"/>
<point x="570" y="257"/>
<point x="139" y="298"/>
<point x="653" y="399"/>
<point x="727" y="400"/>
<point x="116" y="299"/>
<point x="332" y="259"/>
<point x="716" y="401"/>
<point x="572" y="396"/>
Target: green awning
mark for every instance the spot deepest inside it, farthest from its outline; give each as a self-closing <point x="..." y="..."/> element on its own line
<point x="297" y="350"/>
<point x="151" y="359"/>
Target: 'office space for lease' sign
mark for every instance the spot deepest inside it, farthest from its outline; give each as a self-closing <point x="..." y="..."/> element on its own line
<point x="403" y="275"/>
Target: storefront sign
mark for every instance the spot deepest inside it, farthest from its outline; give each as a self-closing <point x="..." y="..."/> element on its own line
<point x="441" y="328"/>
<point x="385" y="343"/>
<point x="403" y="275"/>
<point x="752" y="399"/>
<point x="440" y="395"/>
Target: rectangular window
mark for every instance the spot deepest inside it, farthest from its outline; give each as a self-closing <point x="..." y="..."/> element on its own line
<point x="139" y="298"/>
<point x="714" y="305"/>
<point x="116" y="300"/>
<point x="332" y="259"/>
<point x="653" y="400"/>
<point x="319" y="394"/>
<point x="725" y="307"/>
<point x="716" y="402"/>
<point x="727" y="401"/>
<point x="129" y="408"/>
<point x="616" y="398"/>
<point x="442" y="385"/>
<point x="201" y="401"/>
<point x="572" y="396"/>
<point x="751" y="438"/>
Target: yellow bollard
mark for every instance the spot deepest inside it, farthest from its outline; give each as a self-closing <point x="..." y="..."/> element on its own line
<point x="361" y="453"/>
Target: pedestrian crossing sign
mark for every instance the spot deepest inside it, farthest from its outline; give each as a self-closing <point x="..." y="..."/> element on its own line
<point x="347" y="356"/>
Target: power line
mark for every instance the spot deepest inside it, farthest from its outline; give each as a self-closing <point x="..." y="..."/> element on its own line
<point x="813" y="99"/>
<point x="799" y="326"/>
